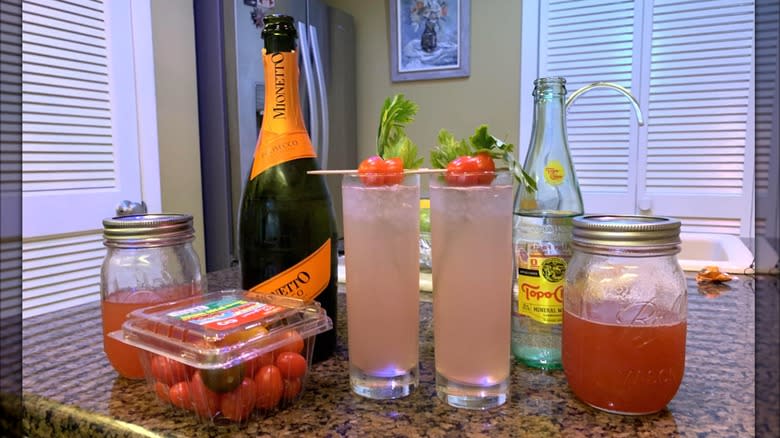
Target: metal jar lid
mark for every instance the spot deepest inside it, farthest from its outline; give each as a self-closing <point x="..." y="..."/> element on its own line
<point x="146" y="230"/>
<point x="627" y="232"/>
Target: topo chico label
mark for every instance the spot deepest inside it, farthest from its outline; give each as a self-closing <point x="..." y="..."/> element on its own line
<point x="540" y="288"/>
<point x="554" y="173"/>
<point x="305" y="280"/>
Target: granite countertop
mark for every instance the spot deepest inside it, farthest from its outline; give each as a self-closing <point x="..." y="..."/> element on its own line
<point x="69" y="388"/>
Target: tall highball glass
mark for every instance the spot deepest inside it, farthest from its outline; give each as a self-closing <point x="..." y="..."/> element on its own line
<point x="471" y="227"/>
<point x="381" y="248"/>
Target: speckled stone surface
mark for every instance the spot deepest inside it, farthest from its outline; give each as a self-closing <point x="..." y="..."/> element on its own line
<point x="70" y="389"/>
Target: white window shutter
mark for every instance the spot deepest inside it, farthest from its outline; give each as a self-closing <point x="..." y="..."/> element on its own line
<point x="697" y="159"/>
<point x="767" y="116"/>
<point x="690" y="64"/>
<point x="80" y="143"/>
<point x="79" y="133"/>
<point x="588" y="42"/>
<point x="10" y="189"/>
<point x="60" y="272"/>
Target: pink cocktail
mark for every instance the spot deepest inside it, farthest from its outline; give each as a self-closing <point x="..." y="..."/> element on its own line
<point x="381" y="247"/>
<point x="471" y="229"/>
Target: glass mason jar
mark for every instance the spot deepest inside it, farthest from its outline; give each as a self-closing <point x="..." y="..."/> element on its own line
<point x="625" y="308"/>
<point x="149" y="260"/>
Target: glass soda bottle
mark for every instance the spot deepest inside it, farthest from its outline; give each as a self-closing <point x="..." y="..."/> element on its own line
<point x="287" y="230"/>
<point x="542" y="231"/>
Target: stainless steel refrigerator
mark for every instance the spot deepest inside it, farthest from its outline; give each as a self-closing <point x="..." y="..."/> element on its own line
<point x="231" y="95"/>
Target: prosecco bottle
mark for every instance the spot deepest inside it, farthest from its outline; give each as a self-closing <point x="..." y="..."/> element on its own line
<point x="287" y="231"/>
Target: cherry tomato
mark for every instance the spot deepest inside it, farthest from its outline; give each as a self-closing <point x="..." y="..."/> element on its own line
<point x="485" y="164"/>
<point x="292" y="365"/>
<point x="394" y="169"/>
<point x="223" y="379"/>
<point x="259" y="362"/>
<point x="292" y="388"/>
<point x="204" y="401"/>
<point x="269" y="387"/>
<point x="238" y="404"/>
<point x="462" y="171"/>
<point x="241" y="336"/>
<point x="294" y="343"/>
<point x="169" y="371"/>
<point x="372" y="170"/>
<point x="163" y="391"/>
<point x="180" y="395"/>
<point x="468" y="171"/>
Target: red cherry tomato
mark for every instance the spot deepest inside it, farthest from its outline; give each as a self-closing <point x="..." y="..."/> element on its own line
<point x="485" y="164"/>
<point x="292" y="365"/>
<point x="205" y="402"/>
<point x="462" y="171"/>
<point x="238" y="404"/>
<point x="294" y="343"/>
<point x="468" y="171"/>
<point x="394" y="168"/>
<point x="169" y="371"/>
<point x="268" y="382"/>
<point x="292" y="388"/>
<point x="180" y="395"/>
<point x="163" y="391"/>
<point x="259" y="362"/>
<point x="372" y="170"/>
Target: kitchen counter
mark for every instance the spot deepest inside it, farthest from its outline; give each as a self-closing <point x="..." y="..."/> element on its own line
<point x="70" y="389"/>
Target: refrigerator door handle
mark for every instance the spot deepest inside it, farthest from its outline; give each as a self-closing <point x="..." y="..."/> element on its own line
<point x="314" y="117"/>
<point x="323" y="95"/>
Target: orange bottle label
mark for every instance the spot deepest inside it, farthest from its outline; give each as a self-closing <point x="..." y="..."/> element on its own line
<point x="283" y="135"/>
<point x="305" y="280"/>
<point x="274" y="149"/>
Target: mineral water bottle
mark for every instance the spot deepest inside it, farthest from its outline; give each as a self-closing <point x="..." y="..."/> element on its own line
<point x="287" y="231"/>
<point x="542" y="231"/>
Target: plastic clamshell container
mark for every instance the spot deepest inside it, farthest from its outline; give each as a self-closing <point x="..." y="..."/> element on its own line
<point x="226" y="356"/>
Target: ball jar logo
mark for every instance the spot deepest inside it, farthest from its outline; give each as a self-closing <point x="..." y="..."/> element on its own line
<point x="536" y="293"/>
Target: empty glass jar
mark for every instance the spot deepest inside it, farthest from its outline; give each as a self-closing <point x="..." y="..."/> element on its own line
<point x="149" y="260"/>
<point x="625" y="308"/>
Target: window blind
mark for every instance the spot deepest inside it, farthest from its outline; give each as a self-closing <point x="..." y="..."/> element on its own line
<point x="690" y="64"/>
<point x="80" y="147"/>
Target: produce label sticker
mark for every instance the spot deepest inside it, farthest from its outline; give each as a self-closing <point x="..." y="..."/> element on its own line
<point x="226" y="313"/>
<point x="540" y="288"/>
<point x="554" y="173"/>
<point x="305" y="280"/>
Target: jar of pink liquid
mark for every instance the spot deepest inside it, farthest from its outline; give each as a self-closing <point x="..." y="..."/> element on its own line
<point x="149" y="260"/>
<point x="625" y="313"/>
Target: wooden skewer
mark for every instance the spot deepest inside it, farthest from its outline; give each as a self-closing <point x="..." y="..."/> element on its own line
<point x="406" y="171"/>
<point x="355" y="172"/>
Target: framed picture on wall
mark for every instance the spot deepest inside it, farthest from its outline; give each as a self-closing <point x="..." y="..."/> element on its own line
<point x="429" y="39"/>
